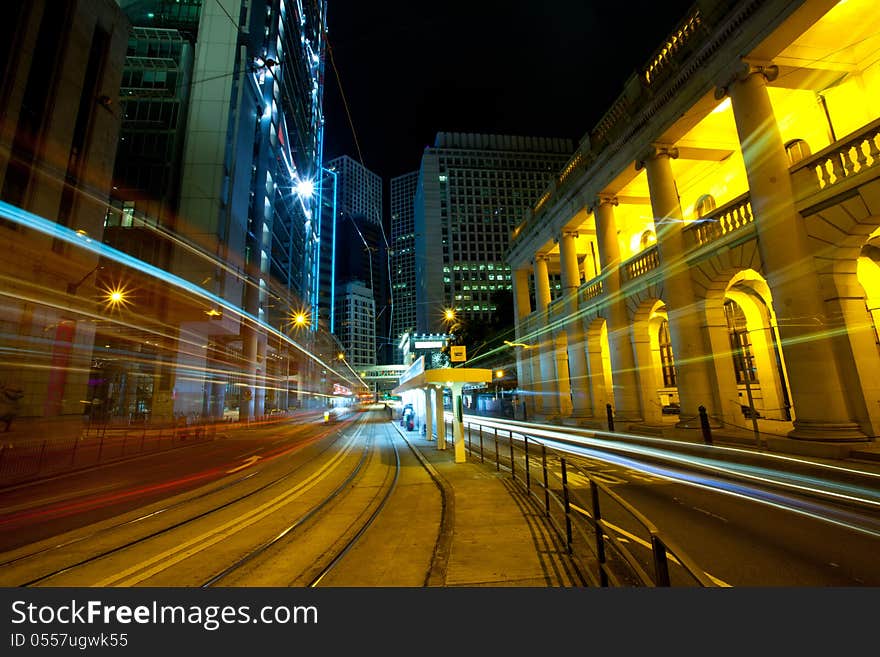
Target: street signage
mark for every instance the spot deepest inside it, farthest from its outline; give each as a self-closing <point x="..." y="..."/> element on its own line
<point x="457" y="354"/>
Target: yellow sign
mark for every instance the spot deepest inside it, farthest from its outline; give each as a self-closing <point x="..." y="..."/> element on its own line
<point x="457" y="354"/>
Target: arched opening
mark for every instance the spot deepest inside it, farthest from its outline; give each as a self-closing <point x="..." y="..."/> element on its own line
<point x="704" y="205"/>
<point x="761" y="381"/>
<point x="663" y="361"/>
<point x="797" y="150"/>
<point x="599" y="366"/>
<point x="868" y="274"/>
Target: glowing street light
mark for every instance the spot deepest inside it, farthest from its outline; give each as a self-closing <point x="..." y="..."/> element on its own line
<point x="499" y="374"/>
<point x="305" y="188"/>
<point x="298" y="319"/>
<point x="116" y="297"/>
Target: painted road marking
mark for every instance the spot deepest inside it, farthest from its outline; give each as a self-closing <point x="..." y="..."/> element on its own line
<point x="247" y="463"/>
<point x="646" y="544"/>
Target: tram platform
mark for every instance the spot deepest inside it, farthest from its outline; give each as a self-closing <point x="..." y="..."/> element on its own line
<point x="494" y="536"/>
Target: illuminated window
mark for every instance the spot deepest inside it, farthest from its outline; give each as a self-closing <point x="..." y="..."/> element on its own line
<point x="667" y="361"/>
<point x="740" y="343"/>
<point x="127" y="214"/>
<point x="797" y="150"/>
<point x="704" y="205"/>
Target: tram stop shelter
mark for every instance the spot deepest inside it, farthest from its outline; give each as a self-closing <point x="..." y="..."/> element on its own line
<point x="432" y="383"/>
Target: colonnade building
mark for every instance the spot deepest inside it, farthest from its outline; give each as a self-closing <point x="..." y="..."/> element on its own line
<point x="716" y="235"/>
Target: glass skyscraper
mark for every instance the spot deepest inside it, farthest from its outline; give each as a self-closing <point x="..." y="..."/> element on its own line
<point x="472" y="191"/>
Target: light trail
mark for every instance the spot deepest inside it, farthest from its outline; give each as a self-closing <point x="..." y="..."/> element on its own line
<point x="754" y="476"/>
<point x="50" y="228"/>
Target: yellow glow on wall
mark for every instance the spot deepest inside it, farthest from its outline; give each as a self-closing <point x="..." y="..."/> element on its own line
<point x="868" y="273"/>
<point x="852" y="103"/>
<point x="799" y="115"/>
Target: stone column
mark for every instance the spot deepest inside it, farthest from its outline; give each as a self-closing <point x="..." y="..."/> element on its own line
<point x="522" y="309"/>
<point x="623" y="368"/>
<point x="542" y="283"/>
<point x="457" y="424"/>
<point x="441" y="423"/>
<point x="260" y="378"/>
<point x="429" y="415"/>
<point x="690" y="346"/>
<point x="548" y="389"/>
<point x="598" y="388"/>
<point x="249" y="340"/>
<point x="818" y="387"/>
<point x="577" y="356"/>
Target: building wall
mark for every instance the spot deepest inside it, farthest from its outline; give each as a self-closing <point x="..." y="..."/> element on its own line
<point x="403" y="260"/>
<point x="730" y="193"/>
<point x="473" y="190"/>
<point x="59" y="122"/>
<point x="356" y="331"/>
<point x="361" y="244"/>
<point x="360" y="190"/>
<point x="247" y="127"/>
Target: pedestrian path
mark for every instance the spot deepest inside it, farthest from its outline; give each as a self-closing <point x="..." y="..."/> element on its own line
<point x="497" y="538"/>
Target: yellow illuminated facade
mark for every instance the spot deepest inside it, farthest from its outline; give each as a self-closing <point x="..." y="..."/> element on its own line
<point x="717" y="235"/>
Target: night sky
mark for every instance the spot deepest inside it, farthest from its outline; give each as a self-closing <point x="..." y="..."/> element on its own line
<point x="411" y="68"/>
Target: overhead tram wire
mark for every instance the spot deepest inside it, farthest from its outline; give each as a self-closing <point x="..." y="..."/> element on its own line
<point x="360" y="154"/>
<point x="329" y="49"/>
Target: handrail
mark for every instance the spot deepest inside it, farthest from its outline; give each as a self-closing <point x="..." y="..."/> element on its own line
<point x="623" y="568"/>
<point x="853" y="154"/>
<point x="641" y="263"/>
<point x="722" y="220"/>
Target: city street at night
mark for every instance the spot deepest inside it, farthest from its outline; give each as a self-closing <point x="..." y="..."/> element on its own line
<point x="301" y="296"/>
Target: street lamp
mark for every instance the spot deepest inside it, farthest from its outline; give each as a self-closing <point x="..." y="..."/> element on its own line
<point x="115" y="297"/>
<point x="499" y="374"/>
<point x="298" y="319"/>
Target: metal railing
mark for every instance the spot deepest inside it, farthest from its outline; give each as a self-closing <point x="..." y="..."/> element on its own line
<point x="580" y="512"/>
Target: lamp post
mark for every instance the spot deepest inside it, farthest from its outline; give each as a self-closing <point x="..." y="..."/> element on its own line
<point x="499" y="374"/>
<point x="519" y="384"/>
<point x="299" y="319"/>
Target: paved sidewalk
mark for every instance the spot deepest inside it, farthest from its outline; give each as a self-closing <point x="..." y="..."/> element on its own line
<point x="497" y="538"/>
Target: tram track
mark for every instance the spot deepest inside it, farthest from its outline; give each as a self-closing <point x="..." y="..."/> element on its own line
<point x="331" y="557"/>
<point x="145" y="516"/>
<point x="262" y="528"/>
<point x="50" y="559"/>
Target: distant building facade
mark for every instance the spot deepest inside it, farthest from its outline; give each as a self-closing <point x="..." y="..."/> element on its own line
<point x="356" y="325"/>
<point x="361" y="249"/>
<point x="403" y="256"/>
<point x="472" y="190"/>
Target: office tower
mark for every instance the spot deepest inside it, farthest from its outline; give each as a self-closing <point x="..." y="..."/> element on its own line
<point x="216" y="181"/>
<point x="60" y="67"/>
<point x="473" y="189"/>
<point x="326" y="306"/>
<point x="361" y="247"/>
<point x="355" y="323"/>
<point x="402" y="255"/>
<point x="360" y="190"/>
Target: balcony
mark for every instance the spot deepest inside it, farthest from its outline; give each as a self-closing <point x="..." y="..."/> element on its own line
<point x="838" y="169"/>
